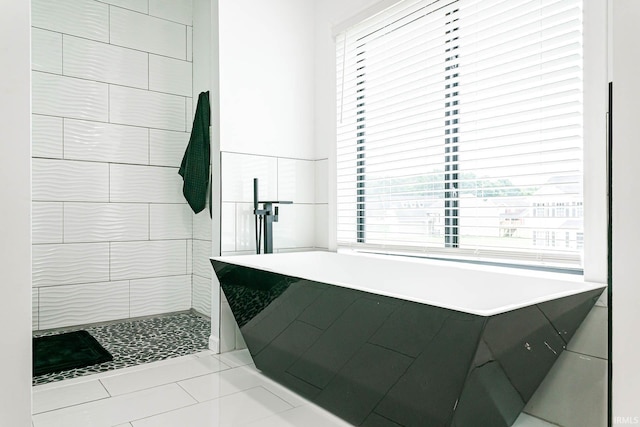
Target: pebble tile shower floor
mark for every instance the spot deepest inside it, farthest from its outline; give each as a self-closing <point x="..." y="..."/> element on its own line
<point x="134" y="342"/>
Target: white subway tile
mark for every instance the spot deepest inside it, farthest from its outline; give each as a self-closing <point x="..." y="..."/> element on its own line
<point x="46" y="222"/>
<point x="202" y="295"/>
<point x="88" y="19"/>
<point x="228" y="228"/>
<point x="170" y="221"/>
<point x="296" y="180"/>
<point x="34" y="308"/>
<point x="170" y="75"/>
<point x="190" y="114"/>
<point x="166" y="148"/>
<point x="137" y="5"/>
<point x="69" y="97"/>
<point x="68" y="264"/>
<point x="202" y="225"/>
<point x="138" y="107"/>
<point x="131" y="183"/>
<point x="322" y="181"/>
<point x="295" y="227"/>
<point x="160" y="295"/>
<point x="321" y="226"/>
<point x="138" y="260"/>
<point x="46" y="51"/>
<point x="148" y="33"/>
<point x="189" y="43"/>
<point x="179" y="11"/>
<point x="46" y="136"/>
<point x="238" y="171"/>
<point x="66" y="180"/>
<point x="105" y="142"/>
<point x="101" y="222"/>
<point x="246" y="228"/>
<point x="62" y="306"/>
<point x="201" y="254"/>
<point x="190" y="256"/>
<point x="103" y="62"/>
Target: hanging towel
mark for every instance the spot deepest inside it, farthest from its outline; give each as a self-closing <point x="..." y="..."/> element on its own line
<point x="195" y="163"/>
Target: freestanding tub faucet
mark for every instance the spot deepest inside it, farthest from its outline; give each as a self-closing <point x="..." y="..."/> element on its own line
<point x="268" y="213"/>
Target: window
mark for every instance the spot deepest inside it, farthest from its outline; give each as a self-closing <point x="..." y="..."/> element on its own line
<point x="460" y="130"/>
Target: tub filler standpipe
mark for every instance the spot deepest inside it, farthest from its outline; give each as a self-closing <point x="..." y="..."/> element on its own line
<point x="268" y="214"/>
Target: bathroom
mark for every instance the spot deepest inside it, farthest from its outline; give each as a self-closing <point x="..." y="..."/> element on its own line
<point x="287" y="145"/>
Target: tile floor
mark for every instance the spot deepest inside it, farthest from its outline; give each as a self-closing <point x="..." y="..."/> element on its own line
<point x="199" y="390"/>
<point x="138" y="341"/>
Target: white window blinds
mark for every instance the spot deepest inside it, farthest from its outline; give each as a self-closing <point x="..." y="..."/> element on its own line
<point x="460" y="130"/>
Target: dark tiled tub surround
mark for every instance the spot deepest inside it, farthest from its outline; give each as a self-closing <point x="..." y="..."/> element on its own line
<point x="144" y="340"/>
<point x="376" y="360"/>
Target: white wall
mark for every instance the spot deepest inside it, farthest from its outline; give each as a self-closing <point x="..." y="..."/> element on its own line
<point x="626" y="232"/>
<point x="15" y="214"/>
<point x="266" y="77"/>
<point x="112" y="112"/>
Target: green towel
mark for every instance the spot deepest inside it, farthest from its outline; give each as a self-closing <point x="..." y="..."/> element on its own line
<point x="195" y="163"/>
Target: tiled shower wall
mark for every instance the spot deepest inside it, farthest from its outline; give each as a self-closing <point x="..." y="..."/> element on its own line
<point x="301" y="225"/>
<point x="112" y="110"/>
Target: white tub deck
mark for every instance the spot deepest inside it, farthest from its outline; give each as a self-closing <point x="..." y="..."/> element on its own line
<point x="480" y="290"/>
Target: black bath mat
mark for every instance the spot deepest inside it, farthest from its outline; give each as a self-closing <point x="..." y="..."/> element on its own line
<point x="70" y="350"/>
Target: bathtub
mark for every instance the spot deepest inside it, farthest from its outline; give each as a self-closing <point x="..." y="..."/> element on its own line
<point x="388" y="341"/>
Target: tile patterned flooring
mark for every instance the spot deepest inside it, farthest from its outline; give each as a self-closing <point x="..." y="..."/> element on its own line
<point x="140" y="341"/>
<point x="199" y="390"/>
<point x="162" y="377"/>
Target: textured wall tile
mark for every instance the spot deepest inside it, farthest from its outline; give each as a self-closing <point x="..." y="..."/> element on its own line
<point x="69" y="97"/>
<point x="138" y="260"/>
<point x="81" y="304"/>
<point x="137" y="5"/>
<point x="104" y="142"/>
<point x="190" y="112"/>
<point x="46" y="51"/>
<point x="102" y="222"/>
<point x="148" y="109"/>
<point x="295" y="228"/>
<point x="296" y="180"/>
<point x="201" y="301"/>
<point x="321" y="239"/>
<point x="46" y="222"/>
<point x="238" y="171"/>
<point x="88" y="19"/>
<point x="147" y="33"/>
<point x="166" y="148"/>
<point x="34" y="309"/>
<point x="179" y="11"/>
<point x="170" y="75"/>
<point x="70" y="264"/>
<point x="228" y="228"/>
<point x="92" y="60"/>
<point x="202" y="225"/>
<point x="190" y="256"/>
<point x="160" y="295"/>
<point x="322" y="181"/>
<point x="130" y="183"/>
<point x="170" y="221"/>
<point x="46" y="136"/>
<point x="189" y="43"/>
<point x="65" y="180"/>
<point x="201" y="254"/>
